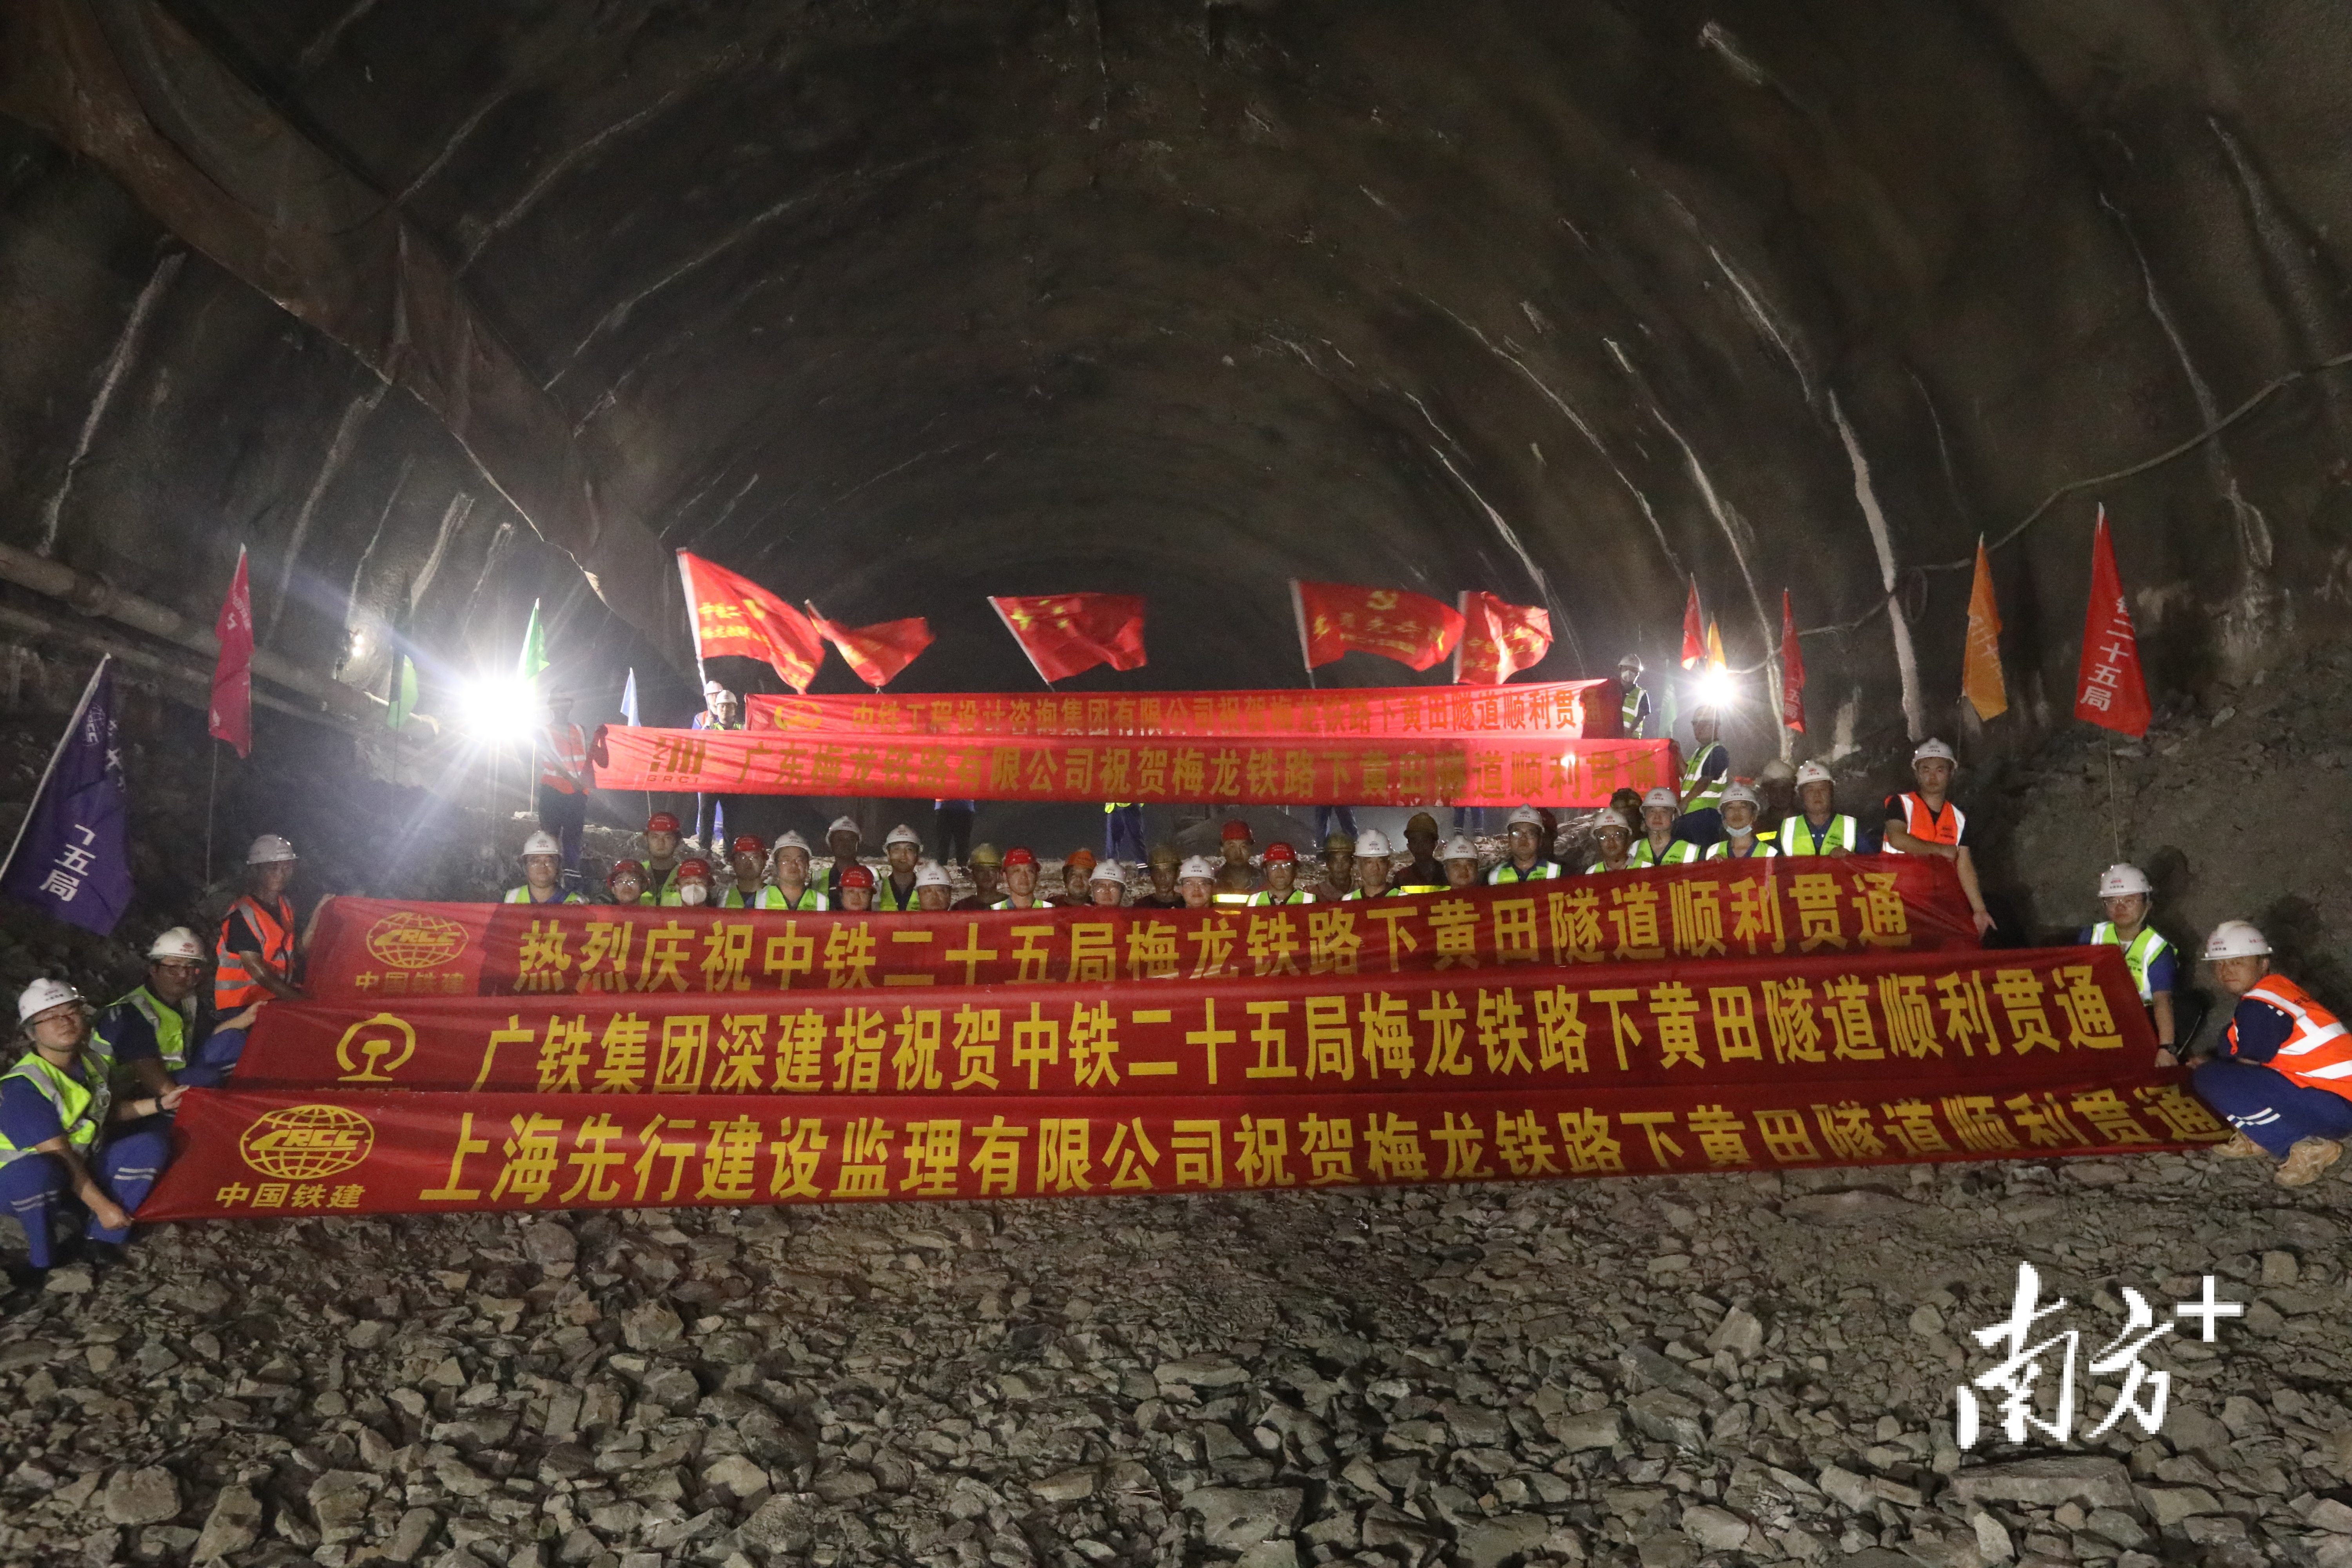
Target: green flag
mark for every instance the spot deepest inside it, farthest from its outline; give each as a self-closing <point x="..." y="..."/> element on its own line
<point x="404" y="693"/>
<point x="534" y="646"/>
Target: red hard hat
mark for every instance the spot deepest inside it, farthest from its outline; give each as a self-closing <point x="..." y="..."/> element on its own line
<point x="634" y="867"/>
<point x="1081" y="856"/>
<point x="1281" y="854"/>
<point x="856" y="876"/>
<point x="694" y="870"/>
<point x="1236" y="829"/>
<point x="749" y="844"/>
<point x="1019" y="857"/>
<point x="661" y="822"/>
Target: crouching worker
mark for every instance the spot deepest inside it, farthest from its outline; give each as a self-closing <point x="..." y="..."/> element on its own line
<point x="61" y="1134"/>
<point x="153" y="1037"/>
<point x="2282" y="1070"/>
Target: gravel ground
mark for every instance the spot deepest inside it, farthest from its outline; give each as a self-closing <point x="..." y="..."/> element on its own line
<point x="1669" y="1370"/>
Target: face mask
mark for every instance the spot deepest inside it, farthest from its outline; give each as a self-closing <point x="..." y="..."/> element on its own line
<point x="692" y="894"/>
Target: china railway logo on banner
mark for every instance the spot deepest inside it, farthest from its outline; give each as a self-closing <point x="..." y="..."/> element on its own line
<point x="363" y="1051"/>
<point x="410" y="939"/>
<point x="307" y="1142"/>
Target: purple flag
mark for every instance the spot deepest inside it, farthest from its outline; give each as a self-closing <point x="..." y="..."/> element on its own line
<point x="72" y="853"/>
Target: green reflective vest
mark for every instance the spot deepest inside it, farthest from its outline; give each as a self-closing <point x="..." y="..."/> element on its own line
<point x="522" y="896"/>
<point x="1722" y="851"/>
<point x="1508" y="872"/>
<point x="775" y="898"/>
<point x="1628" y="716"/>
<point x="1265" y="896"/>
<point x="2139" y="953"/>
<point x="171" y="1028"/>
<point x="1799" y="836"/>
<point x="1681" y="852"/>
<point x="82" y="1107"/>
<point x="885" y="897"/>
<point x="1697" y="794"/>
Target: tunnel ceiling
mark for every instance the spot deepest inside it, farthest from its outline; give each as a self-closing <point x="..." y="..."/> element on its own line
<point x="893" y="306"/>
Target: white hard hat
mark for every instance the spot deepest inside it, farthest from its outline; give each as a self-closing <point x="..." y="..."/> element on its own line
<point x="1371" y="844"/>
<point x="1632" y="661"/>
<point x="931" y="874"/>
<point x="1777" y="768"/>
<point x="841" y="825"/>
<point x="1109" y="871"/>
<point x="1810" y="773"/>
<point x="542" y="844"/>
<point x="178" y="942"/>
<point x="1525" y="816"/>
<point x="1664" y="796"/>
<point x="2231" y="939"/>
<point x="1459" y="847"/>
<point x="711" y="688"/>
<point x="1738" y="792"/>
<point x="1931" y="749"/>
<point x="1196" y="869"/>
<point x="268" y="849"/>
<point x="902" y="833"/>
<point x="42" y="996"/>
<point x="1611" y="822"/>
<point x="2122" y="881"/>
<point x="792" y="841"/>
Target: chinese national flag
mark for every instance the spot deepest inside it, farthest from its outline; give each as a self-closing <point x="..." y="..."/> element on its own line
<point x="1981" y="678"/>
<point x="732" y="614"/>
<point x="2109" y="689"/>
<point x="1693" y="631"/>
<point x="231" y="717"/>
<point x="1336" y="619"/>
<point x="1064" y="633"/>
<point x="1499" y="639"/>
<point x="879" y="652"/>
<point x="1792" y="668"/>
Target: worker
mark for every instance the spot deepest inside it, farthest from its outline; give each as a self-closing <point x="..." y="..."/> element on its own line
<point x="542" y="873"/>
<point x="1818" y="827"/>
<point x="1634" y="710"/>
<point x="662" y="846"/>
<point x="1107" y="886"/>
<point x="1281" y="866"/>
<point x="1658" y="845"/>
<point x="1421" y="872"/>
<point x="843" y="841"/>
<point x="1614" y="837"/>
<point x="1627" y="804"/>
<point x="720" y="710"/>
<point x="1020" y="881"/>
<point x="56" y="1108"/>
<point x="857" y="893"/>
<point x="1524" y="859"/>
<point x="1196" y="881"/>
<point x="1164" y="860"/>
<point x="1236" y="879"/>
<point x="1077" y="891"/>
<point x="1740" y="840"/>
<point x="747" y="875"/>
<point x="563" y="783"/>
<point x="1776" y="799"/>
<point x="1705" y="772"/>
<point x="1122" y="828"/>
<point x="254" y="959"/>
<point x="154" y="1036"/>
<point x="2284" y="1068"/>
<point x="955" y="819"/>
<point x="1924" y="822"/>
<point x="626" y="883"/>
<point x="1461" y="862"/>
<point x="2126" y="892"/>
<point x="986" y="867"/>
<point x="788" y="868"/>
<point x="934" y="889"/>
<point x="895" y="892"/>
<point x="1338" y="866"/>
<point x="1371" y="866"/>
<point x="690" y="889"/>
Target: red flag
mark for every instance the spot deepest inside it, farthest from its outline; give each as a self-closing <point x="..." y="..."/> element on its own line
<point x="1335" y="619"/>
<point x="231" y="718"/>
<point x="1792" y="668"/>
<point x="2109" y="689"/>
<point x="1693" y="631"/>
<point x="879" y="652"/>
<point x="1064" y="633"/>
<point x="732" y="614"/>
<point x="1499" y="639"/>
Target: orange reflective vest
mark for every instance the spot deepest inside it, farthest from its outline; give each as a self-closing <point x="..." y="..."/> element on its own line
<point x="565" y="750"/>
<point x="1930" y="827"/>
<point x="234" y="985"/>
<point x="2318" y="1054"/>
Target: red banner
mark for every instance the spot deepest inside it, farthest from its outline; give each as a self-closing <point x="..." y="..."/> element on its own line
<point x="1338" y="618"/>
<point x="1068" y="634"/>
<point x="1564" y="709"/>
<point x="732" y="614"/>
<point x="1876" y="1020"/>
<point x="1297" y="770"/>
<point x="370" y="951"/>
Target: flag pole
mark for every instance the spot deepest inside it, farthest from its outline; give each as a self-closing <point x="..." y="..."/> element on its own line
<point x="1298" y="613"/>
<point x="55" y="752"/>
<point x="212" y="799"/>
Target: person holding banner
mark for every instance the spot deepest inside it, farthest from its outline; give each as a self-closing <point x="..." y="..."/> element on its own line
<point x="747" y="861"/>
<point x="1614" y="837"/>
<point x="1659" y="846"/>
<point x="1077" y="890"/>
<point x="987" y="868"/>
<point x="1525" y="833"/>
<point x="1924" y="822"/>
<point x="791" y="871"/>
<point x="1235" y="878"/>
<point x="1338" y="866"/>
<point x="626" y="883"/>
<point x="542" y="869"/>
<point x="722" y="711"/>
<point x="1461" y="863"/>
<point x="1819" y="828"/>
<point x="662" y="847"/>
<point x="843" y="841"/>
<point x="1196" y="879"/>
<point x="1020" y="881"/>
<point x="1740" y="841"/>
<point x="1107" y="886"/>
<point x="690" y="889"/>
<point x="1421" y="872"/>
<point x="254" y="959"/>
<point x="1634" y="708"/>
<point x="1371" y="866"/>
<point x="856" y="889"/>
<point x="155" y="1036"/>
<point x="55" y="1110"/>
<point x="1281" y="878"/>
<point x="1163" y="895"/>
<point x="934" y="889"/>
<point x="562" y="792"/>
<point x="895" y="894"/>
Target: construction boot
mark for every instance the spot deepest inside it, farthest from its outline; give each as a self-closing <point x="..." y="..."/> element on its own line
<point x="2306" y="1160"/>
<point x="2240" y="1147"/>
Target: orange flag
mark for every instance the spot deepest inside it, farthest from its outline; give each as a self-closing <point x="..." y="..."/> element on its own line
<point x="1694" y="630"/>
<point x="1498" y="639"/>
<point x="1981" y="676"/>
<point x="1715" y="645"/>
<point x="734" y="615"/>
<point x="1335" y="619"/>
<point x="877" y="652"/>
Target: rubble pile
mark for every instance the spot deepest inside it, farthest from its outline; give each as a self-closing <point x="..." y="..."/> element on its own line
<point x="1665" y="1372"/>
